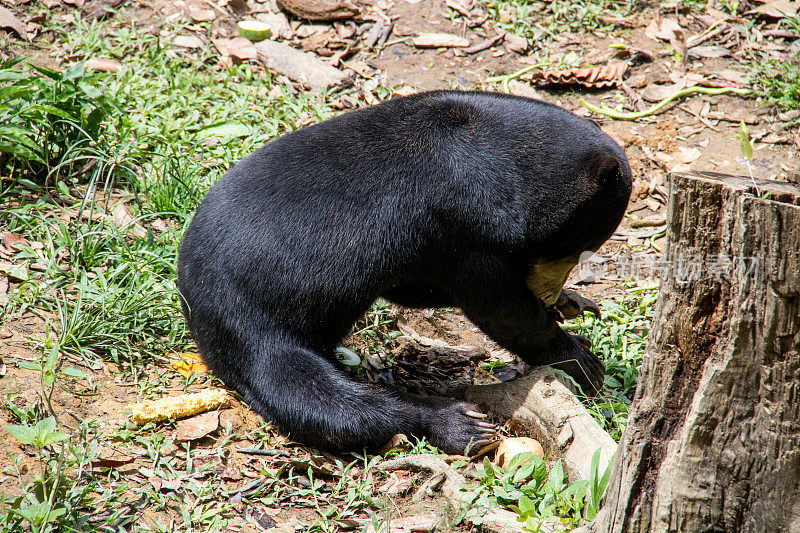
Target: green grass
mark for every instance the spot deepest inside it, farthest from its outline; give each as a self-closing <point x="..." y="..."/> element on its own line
<point x="540" y="22"/>
<point x="619" y="338"/>
<point x="777" y="80"/>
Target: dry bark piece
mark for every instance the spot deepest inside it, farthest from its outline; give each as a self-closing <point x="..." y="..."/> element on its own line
<point x="9" y="20"/>
<point x="298" y="66"/>
<point x="709" y="51"/>
<point x="321" y="9"/>
<point x="439" y="40"/>
<point x="595" y="77"/>
<point x="713" y="432"/>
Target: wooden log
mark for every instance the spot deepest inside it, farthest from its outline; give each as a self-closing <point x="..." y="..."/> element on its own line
<point x="551" y="414"/>
<point x="713" y="438"/>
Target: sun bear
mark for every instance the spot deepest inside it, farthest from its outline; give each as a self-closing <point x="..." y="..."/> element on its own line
<point x="473" y="200"/>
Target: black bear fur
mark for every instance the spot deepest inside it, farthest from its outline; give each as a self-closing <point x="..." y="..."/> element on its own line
<point x="437" y="199"/>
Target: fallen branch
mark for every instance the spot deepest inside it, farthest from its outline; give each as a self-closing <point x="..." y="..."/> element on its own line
<point x="617" y="115"/>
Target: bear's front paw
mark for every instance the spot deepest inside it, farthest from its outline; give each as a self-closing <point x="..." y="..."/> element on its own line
<point x="460" y="429"/>
<point x="583" y="365"/>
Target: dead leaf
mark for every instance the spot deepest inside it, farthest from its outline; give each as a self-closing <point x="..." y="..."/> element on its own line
<point x="232" y="473"/>
<point x="4" y="285"/>
<point x="187" y="41"/>
<point x="655" y="92"/>
<point x="439" y="40"/>
<point x="515" y="43"/>
<point x="399" y="441"/>
<point x="9" y="20"/>
<point x="122" y="218"/>
<point x="396" y="485"/>
<point x="320" y="9"/>
<point x="238" y="47"/>
<point x="597" y="77"/>
<point x="200" y="14"/>
<point x="104" y="64"/>
<point x="664" y="29"/>
<point x="187" y="363"/>
<point x="14" y="241"/>
<point x="111" y="463"/>
<point x="776" y="9"/>
<point x="172" y="485"/>
<point x="197" y="427"/>
<point x="14" y="272"/>
<point x="735" y="77"/>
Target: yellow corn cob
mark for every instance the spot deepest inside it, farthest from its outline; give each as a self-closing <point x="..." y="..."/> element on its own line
<point x="178" y="406"/>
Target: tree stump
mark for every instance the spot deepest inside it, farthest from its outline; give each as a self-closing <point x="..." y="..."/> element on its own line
<point x="713" y="438"/>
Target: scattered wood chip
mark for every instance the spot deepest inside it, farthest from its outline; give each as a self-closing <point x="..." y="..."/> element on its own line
<point x="595" y="77"/>
<point x="709" y="51"/>
<point x="439" y="40"/>
<point x="396" y="484"/>
<point x="197" y="427"/>
<point x="103" y="64"/>
<point x="649" y="222"/>
<point x="187" y="41"/>
<point x="9" y="20"/>
<point x="321" y="9"/>
<point x="298" y="66"/>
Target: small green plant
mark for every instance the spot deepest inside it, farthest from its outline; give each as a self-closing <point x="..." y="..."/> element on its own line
<point x="620" y="338"/>
<point x="537" y="495"/>
<point x="51" y="123"/>
<point x="39" y="507"/>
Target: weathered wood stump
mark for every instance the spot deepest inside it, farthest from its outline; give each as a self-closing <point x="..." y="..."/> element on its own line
<point x="713" y="439"/>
